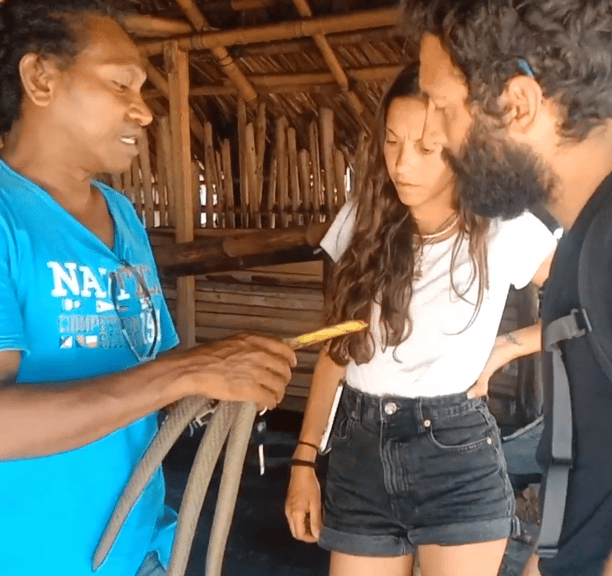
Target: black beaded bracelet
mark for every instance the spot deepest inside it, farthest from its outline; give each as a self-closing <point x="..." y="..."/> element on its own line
<point x="307" y="463"/>
<point x="307" y="444"/>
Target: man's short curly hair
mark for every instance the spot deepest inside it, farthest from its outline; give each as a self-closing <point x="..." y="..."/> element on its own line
<point x="567" y="44"/>
<point x="46" y="27"/>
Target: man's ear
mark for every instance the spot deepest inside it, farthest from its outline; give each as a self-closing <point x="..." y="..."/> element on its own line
<point x="522" y="98"/>
<point x="37" y="77"/>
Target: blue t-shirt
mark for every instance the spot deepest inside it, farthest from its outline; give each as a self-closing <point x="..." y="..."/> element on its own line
<point x="77" y="309"/>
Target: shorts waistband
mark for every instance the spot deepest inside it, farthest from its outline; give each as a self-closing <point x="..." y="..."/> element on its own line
<point x="361" y="405"/>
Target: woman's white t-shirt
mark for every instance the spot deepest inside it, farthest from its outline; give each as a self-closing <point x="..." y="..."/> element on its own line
<point x="441" y="356"/>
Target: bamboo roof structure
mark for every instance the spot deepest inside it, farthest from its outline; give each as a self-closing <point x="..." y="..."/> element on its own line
<point x="293" y="55"/>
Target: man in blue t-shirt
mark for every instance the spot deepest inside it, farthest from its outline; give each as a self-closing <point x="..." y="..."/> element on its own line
<point x="520" y="97"/>
<point x="82" y="315"/>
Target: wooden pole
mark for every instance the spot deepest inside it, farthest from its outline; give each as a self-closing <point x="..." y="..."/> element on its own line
<point x="340" y="172"/>
<point x="364" y="20"/>
<point x="172" y="190"/>
<point x="272" y="187"/>
<point x="213" y="251"/>
<point x="251" y="174"/>
<point x="303" y="82"/>
<point x="226" y="62"/>
<point x="327" y="52"/>
<point x="315" y="160"/>
<point x="162" y="178"/>
<point x="195" y="190"/>
<point x="326" y="120"/>
<point x="209" y="175"/>
<point x="294" y="182"/>
<point x="147" y="179"/>
<point x="305" y="185"/>
<point x="260" y="151"/>
<point x="242" y="161"/>
<point x="282" y="170"/>
<point x="157" y="79"/>
<point x="145" y="25"/>
<point x="228" y="184"/>
<point x="178" y="82"/>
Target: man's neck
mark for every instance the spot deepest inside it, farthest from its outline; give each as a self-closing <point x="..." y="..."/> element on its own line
<point x="580" y="169"/>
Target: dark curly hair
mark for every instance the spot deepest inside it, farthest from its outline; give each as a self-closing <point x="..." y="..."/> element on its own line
<point x="380" y="260"/>
<point x="566" y="43"/>
<point x="45" y="27"/>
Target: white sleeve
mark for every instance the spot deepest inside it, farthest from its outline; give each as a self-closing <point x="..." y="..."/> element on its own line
<point x="337" y="238"/>
<point x="525" y="243"/>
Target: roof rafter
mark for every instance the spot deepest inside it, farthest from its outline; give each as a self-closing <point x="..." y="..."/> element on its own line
<point x="226" y="62"/>
<point x="333" y="64"/>
<point x="363" y="20"/>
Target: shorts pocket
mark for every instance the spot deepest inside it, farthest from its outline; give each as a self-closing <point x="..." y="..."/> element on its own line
<point x="341" y="426"/>
<point x="464" y="432"/>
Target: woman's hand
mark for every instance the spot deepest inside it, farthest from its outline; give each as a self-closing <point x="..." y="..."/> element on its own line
<point x="303" y="504"/>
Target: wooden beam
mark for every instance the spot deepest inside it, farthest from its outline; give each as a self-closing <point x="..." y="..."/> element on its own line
<point x="226" y="62"/>
<point x="233" y="251"/>
<point x="363" y="20"/>
<point x="333" y="64"/>
<point x="146" y="25"/>
<point x="178" y="84"/>
<point x="271" y="83"/>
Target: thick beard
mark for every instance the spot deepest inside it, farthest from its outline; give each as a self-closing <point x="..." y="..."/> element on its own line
<point x="497" y="178"/>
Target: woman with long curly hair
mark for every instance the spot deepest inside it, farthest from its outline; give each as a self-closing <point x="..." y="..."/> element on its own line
<point x="416" y="462"/>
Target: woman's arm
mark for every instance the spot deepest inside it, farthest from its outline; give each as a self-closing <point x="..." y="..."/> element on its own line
<point x="515" y="344"/>
<point x="303" y="503"/>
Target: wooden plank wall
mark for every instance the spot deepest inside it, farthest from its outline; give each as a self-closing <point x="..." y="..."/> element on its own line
<point x="280" y="301"/>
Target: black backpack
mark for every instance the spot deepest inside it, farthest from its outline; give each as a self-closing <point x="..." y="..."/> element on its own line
<point x="592" y="320"/>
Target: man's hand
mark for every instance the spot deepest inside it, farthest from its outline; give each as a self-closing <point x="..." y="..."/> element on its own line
<point x="244" y="368"/>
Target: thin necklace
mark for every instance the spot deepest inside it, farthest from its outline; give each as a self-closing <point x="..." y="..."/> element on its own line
<point x="446" y="230"/>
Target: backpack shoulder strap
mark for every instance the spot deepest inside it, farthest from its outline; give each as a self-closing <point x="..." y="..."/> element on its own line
<point x="595" y="283"/>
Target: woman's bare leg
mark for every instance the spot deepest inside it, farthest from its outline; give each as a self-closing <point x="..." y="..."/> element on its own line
<point x="480" y="559"/>
<point x="347" y="565"/>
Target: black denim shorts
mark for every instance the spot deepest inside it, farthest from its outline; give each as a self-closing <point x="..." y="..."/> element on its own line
<point x="410" y="471"/>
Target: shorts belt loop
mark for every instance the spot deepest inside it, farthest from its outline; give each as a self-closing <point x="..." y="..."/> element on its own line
<point x="357" y="415"/>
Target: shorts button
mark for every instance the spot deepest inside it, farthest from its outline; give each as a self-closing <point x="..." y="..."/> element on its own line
<point x="489" y="441"/>
<point x="390" y="408"/>
<point x="427" y="423"/>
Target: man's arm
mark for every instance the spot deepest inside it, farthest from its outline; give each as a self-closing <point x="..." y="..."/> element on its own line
<point x="39" y="419"/>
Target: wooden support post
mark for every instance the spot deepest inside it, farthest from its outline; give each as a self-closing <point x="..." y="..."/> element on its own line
<point x="294" y="183"/>
<point x="209" y="175"/>
<point x="228" y="184"/>
<point x="315" y="161"/>
<point x="305" y="185"/>
<point x="340" y="172"/>
<point x="147" y="180"/>
<point x="166" y="140"/>
<point x="244" y="180"/>
<point x="260" y="151"/>
<point x="178" y="84"/>
<point x="282" y="170"/>
<point x="251" y="176"/>
<point x="195" y="190"/>
<point x="326" y="119"/>
<point x="162" y="178"/>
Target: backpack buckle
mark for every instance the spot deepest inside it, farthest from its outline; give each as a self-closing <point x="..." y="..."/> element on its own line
<point x="581" y="318"/>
